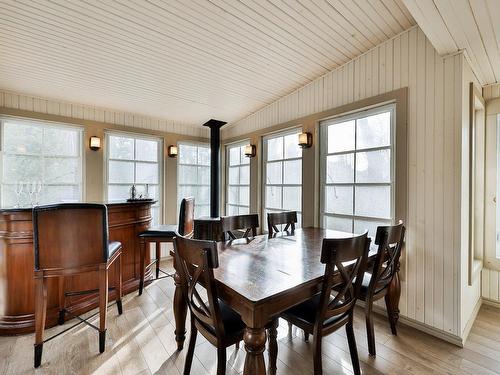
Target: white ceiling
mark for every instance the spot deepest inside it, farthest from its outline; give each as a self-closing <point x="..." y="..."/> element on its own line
<point x="187" y="60"/>
<point x="470" y="25"/>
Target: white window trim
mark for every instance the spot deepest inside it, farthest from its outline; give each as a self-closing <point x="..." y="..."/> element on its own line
<point x="324" y="153"/>
<point x="107" y="134"/>
<point x="226" y="176"/>
<point x="46" y="124"/>
<point x="277" y="134"/>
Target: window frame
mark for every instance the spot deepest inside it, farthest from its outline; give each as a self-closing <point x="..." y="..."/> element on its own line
<point x="136" y="136"/>
<point x="227" y="184"/>
<point x="45" y="124"/>
<point x="323" y="152"/>
<point x="264" y="208"/>
<point x="196" y="144"/>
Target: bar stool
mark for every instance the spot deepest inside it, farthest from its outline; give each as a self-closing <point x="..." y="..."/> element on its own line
<point x="165" y="233"/>
<point x="72" y="239"/>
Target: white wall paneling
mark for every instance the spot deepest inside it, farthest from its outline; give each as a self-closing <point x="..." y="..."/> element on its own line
<point x="490" y="278"/>
<point x="431" y="292"/>
<point x="78" y="111"/>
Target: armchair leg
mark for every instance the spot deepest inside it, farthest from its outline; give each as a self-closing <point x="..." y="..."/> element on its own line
<point x="119" y="291"/>
<point x="62" y="302"/>
<point x="40" y="315"/>
<point x="370" y="332"/>
<point x="158" y="256"/>
<point x="352" y="347"/>
<point x="318" y="365"/>
<point x="142" y="254"/>
<point x="103" y="302"/>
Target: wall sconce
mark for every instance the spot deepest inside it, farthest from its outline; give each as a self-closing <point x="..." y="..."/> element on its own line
<point x="250" y="151"/>
<point x="172" y="151"/>
<point x="95" y="143"/>
<point x="305" y="140"/>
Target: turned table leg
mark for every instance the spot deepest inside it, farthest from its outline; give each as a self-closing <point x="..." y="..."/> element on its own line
<point x="255" y="344"/>
<point x="392" y="300"/>
<point x="180" y="311"/>
<point x="273" y="346"/>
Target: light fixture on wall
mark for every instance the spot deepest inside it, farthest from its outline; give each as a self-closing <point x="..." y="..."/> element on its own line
<point x="172" y="151"/>
<point x="250" y="151"/>
<point x="305" y="140"/>
<point x="95" y="143"/>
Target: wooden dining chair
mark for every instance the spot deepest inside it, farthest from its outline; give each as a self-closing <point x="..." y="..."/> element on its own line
<point x="214" y="319"/>
<point x="287" y="218"/>
<point x="165" y="233"/>
<point x="376" y="281"/>
<point x="72" y="239"/>
<point x="333" y="307"/>
<point x="248" y="223"/>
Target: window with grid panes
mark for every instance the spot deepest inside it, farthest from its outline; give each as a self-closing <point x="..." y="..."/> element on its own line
<point x="41" y="162"/>
<point x="238" y="180"/>
<point x="357" y="171"/>
<point x="134" y="160"/>
<point x="193" y="176"/>
<point x="283" y="173"/>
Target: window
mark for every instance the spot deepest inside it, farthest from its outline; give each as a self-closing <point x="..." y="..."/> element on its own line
<point x="41" y="163"/>
<point x="238" y="181"/>
<point x="134" y="160"/>
<point x="283" y="173"/>
<point x="193" y="176"/>
<point x="357" y="171"/>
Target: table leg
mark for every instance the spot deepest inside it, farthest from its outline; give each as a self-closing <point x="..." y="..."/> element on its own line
<point x="180" y="312"/>
<point x="392" y="300"/>
<point x="273" y="346"/>
<point x="255" y="344"/>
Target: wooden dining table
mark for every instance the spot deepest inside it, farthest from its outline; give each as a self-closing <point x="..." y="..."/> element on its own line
<point x="263" y="276"/>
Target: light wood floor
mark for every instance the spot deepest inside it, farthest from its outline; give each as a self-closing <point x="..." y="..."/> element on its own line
<point x="141" y="341"/>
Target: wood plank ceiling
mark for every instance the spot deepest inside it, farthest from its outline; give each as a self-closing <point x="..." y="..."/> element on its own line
<point x="470" y="25"/>
<point x="184" y="60"/>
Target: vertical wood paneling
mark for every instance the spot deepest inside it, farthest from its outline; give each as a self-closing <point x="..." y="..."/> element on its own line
<point x="490" y="278"/>
<point x="78" y="111"/>
<point x="430" y="287"/>
<point x="439" y="193"/>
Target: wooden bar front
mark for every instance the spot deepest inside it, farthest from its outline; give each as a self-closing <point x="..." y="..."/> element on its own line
<point x="17" y="298"/>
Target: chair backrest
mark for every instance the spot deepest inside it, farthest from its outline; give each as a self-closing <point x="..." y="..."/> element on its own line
<point x="186" y="217"/>
<point x="197" y="260"/>
<point x="345" y="260"/>
<point x="389" y="240"/>
<point x="70" y="235"/>
<point x="249" y="223"/>
<point x="277" y="218"/>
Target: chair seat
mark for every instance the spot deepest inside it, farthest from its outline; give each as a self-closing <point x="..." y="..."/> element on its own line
<point x="113" y="246"/>
<point x="306" y="312"/>
<point x="231" y="320"/>
<point x="366" y="284"/>
<point x="168" y="231"/>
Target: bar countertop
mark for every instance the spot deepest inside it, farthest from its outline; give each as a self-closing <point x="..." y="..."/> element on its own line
<point x="110" y="204"/>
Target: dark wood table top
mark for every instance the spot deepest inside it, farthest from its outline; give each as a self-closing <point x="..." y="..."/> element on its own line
<point x="262" y="268"/>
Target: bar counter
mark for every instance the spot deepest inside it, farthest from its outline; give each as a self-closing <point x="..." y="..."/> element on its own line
<point x="17" y="298"/>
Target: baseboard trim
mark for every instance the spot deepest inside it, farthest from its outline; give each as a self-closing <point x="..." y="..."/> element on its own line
<point x="471" y="320"/>
<point x="448" y="337"/>
<point x="491" y="302"/>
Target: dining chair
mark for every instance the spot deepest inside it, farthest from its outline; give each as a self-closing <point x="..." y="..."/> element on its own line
<point x="165" y="233"/>
<point x="72" y="239"/>
<point x="376" y="281"/>
<point x="215" y="320"/>
<point x="287" y="218"/>
<point x="345" y="263"/>
<point x="248" y="223"/>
